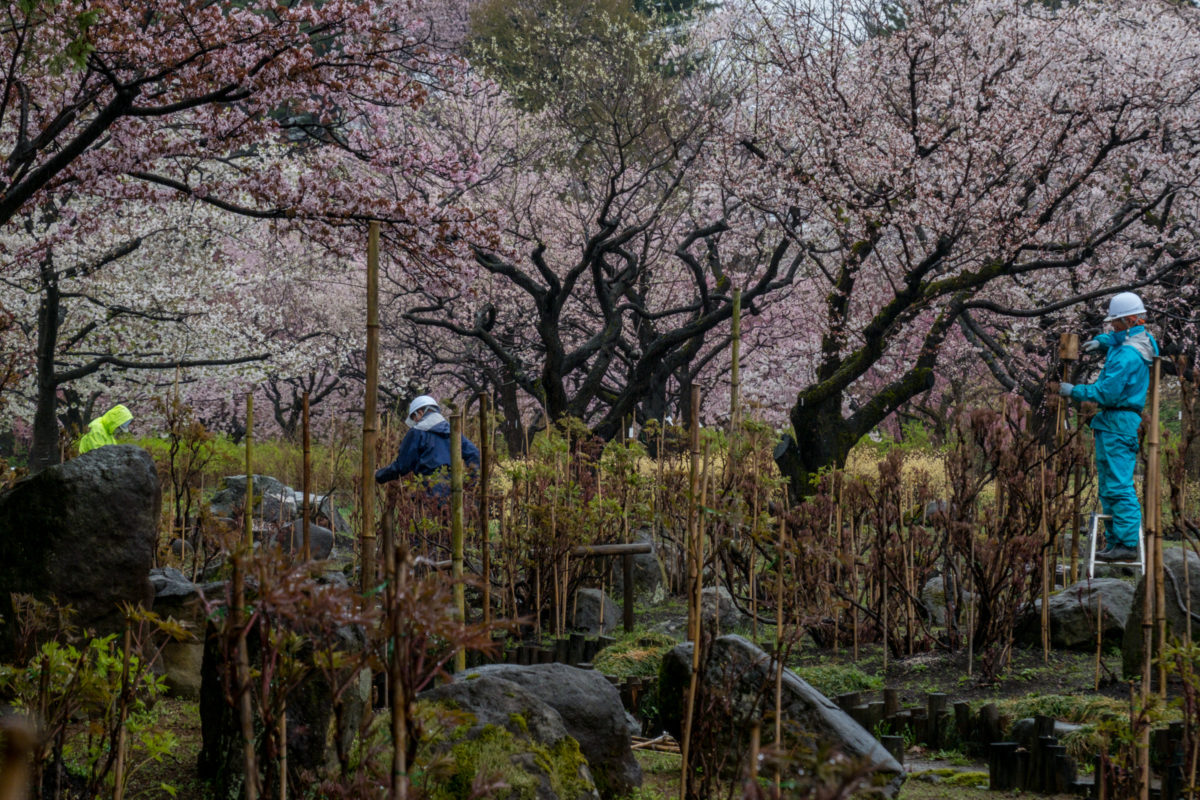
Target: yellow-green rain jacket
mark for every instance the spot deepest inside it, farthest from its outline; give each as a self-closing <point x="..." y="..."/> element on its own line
<point x="101" y="429"/>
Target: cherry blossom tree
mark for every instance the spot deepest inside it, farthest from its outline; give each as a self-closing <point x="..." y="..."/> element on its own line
<point x="294" y="113"/>
<point x="609" y="286"/>
<point x="988" y="162"/>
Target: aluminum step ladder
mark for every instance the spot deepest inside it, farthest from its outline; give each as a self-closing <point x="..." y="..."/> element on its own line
<point x="1094" y="534"/>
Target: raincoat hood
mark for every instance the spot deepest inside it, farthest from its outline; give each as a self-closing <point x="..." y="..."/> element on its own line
<point x="114" y="418"/>
<point x="1139" y="340"/>
<point x="431" y="422"/>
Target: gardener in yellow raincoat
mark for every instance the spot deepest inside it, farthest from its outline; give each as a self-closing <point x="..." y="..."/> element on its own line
<point x="101" y="429"/>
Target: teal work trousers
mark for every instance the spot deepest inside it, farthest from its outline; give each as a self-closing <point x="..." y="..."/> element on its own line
<point x="1116" y="456"/>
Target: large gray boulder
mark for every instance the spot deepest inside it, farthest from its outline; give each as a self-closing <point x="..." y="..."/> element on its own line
<point x="84" y="533"/>
<point x="933" y="598"/>
<point x="587" y="612"/>
<point x="290" y="539"/>
<point x="740" y="678"/>
<point x="1073" y="615"/>
<point x="176" y="597"/>
<point x="592" y="712"/>
<point x="274" y="501"/>
<point x="1178" y="587"/>
<point x="717" y="608"/>
<point x="513" y="733"/>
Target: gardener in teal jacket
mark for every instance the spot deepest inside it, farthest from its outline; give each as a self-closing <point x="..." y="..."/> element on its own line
<point x="101" y="430"/>
<point x="1120" y="392"/>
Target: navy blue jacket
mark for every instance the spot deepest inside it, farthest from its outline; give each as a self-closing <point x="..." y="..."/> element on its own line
<point x="425" y="452"/>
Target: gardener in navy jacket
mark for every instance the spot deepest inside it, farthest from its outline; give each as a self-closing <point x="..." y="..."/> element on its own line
<point x="1120" y="391"/>
<point x="425" y="450"/>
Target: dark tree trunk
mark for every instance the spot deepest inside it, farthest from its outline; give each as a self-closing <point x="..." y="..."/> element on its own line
<point x="44" y="452"/>
<point x="823" y="438"/>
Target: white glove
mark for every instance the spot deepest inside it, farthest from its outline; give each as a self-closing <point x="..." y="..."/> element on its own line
<point x="1091" y="345"/>
<point x="1065" y="389"/>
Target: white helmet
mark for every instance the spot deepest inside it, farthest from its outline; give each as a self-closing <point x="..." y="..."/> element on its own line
<point x="424" y="401"/>
<point x="1125" y="304"/>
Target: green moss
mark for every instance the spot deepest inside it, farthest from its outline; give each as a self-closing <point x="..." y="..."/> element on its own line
<point x="978" y="780"/>
<point x="635" y="654"/>
<point x="452" y="760"/>
<point x="834" y="679"/>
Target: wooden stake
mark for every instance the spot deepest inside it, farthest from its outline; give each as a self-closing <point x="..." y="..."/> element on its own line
<point x="122" y="741"/>
<point x="735" y="381"/>
<point x="1150" y="599"/>
<point x="693" y="570"/>
<point x="1154" y="484"/>
<point x="485" y="475"/>
<point x="242" y="678"/>
<point x="1099" y="636"/>
<point x="1044" y="531"/>
<point x="779" y="639"/>
<point x="306" y="481"/>
<point x="248" y="500"/>
<point x="693" y="511"/>
<point x="456" y="528"/>
<point x="370" y="412"/>
<point x="283" y="753"/>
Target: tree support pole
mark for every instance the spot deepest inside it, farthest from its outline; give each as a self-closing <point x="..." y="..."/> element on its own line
<point x="370" y="412"/>
<point x="485" y="470"/>
<point x="456" y="528"/>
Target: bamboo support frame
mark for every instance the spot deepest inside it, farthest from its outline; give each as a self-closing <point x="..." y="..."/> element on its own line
<point x="370" y="412"/>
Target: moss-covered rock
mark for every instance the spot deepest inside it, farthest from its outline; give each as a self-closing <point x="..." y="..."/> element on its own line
<point x="489" y="732"/>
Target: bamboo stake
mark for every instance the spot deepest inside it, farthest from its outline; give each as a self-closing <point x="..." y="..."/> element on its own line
<point x="248" y="504"/>
<point x="306" y="481"/>
<point x="883" y="587"/>
<point x="1154" y="474"/>
<point x="242" y="679"/>
<point x="693" y="571"/>
<point x="779" y="644"/>
<point x="1150" y="599"/>
<point x="855" y="590"/>
<point x="122" y="739"/>
<point x="735" y="380"/>
<point x="1044" y="532"/>
<point x="370" y="423"/>
<point x="485" y="474"/>
<point x="970" y="575"/>
<point x="754" y="746"/>
<point x="399" y="717"/>
<point x="693" y="512"/>
<point x="1099" y="637"/>
<point x="456" y="528"/>
<point x="906" y="546"/>
<point x="753" y="552"/>
<point x="283" y="754"/>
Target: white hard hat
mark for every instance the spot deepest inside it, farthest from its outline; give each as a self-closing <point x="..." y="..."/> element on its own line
<point x="1125" y="304"/>
<point x="424" y="401"/>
